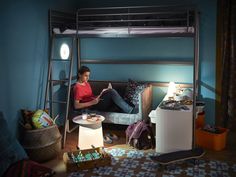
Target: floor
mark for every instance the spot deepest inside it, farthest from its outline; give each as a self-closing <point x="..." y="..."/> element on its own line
<point x="227" y="155"/>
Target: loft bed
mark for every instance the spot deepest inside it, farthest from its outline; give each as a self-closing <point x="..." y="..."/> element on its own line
<point x="129" y="22"/>
<point x="125" y="22"/>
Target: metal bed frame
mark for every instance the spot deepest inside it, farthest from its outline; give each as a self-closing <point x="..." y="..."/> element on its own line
<point x="129" y="22"/>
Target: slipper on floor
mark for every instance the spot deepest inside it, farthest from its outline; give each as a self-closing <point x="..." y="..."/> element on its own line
<point x="107" y="140"/>
<point x="112" y="136"/>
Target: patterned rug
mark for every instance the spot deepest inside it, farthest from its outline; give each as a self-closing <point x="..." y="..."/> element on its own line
<point x="134" y="163"/>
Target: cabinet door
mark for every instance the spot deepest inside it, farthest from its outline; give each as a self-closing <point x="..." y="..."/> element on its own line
<point x="173" y="130"/>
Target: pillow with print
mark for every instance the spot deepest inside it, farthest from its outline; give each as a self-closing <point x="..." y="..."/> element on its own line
<point x="132" y="92"/>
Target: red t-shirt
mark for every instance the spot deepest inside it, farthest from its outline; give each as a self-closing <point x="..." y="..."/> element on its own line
<point x="83" y="93"/>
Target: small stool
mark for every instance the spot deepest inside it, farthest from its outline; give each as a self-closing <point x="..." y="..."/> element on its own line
<point x="90" y="132"/>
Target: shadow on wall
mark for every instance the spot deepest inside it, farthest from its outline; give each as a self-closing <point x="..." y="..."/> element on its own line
<point x="203" y="84"/>
<point x="60" y="95"/>
<point x="209" y="104"/>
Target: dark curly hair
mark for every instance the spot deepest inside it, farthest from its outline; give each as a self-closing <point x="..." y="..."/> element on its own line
<point x="82" y="70"/>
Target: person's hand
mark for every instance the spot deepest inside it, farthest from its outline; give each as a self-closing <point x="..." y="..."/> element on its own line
<point x="96" y="100"/>
<point x="103" y="90"/>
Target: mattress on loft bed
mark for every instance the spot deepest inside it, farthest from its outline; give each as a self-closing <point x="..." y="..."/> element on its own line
<point x="126" y="31"/>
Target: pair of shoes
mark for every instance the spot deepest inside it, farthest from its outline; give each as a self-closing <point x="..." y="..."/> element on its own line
<point x="107" y="140"/>
<point x="112" y="136"/>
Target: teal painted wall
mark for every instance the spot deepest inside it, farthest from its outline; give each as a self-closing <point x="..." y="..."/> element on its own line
<point x="24" y="54"/>
<point x="158" y="48"/>
<point x="141" y="49"/>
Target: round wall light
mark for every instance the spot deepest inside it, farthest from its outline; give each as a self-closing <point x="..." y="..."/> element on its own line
<point x="64" y="51"/>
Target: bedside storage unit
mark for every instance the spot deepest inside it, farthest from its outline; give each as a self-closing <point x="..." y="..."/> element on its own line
<point x="173" y="129"/>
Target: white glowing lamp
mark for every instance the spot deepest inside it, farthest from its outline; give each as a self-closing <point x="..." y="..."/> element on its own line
<point x="171" y="89"/>
<point x="64" y="51"/>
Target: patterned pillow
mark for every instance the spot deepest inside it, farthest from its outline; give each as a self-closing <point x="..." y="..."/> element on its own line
<point x="132" y="92"/>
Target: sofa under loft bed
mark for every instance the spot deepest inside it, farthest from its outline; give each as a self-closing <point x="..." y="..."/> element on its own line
<point x="115" y="116"/>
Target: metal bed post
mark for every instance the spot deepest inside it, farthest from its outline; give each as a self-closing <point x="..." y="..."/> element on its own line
<point x="50" y="48"/>
<point x="78" y="42"/>
<point x="78" y="54"/>
<point x="68" y="93"/>
<point x="195" y="71"/>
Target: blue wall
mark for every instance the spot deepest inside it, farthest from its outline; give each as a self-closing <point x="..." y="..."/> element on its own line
<point x="141" y="49"/>
<point x="24" y="54"/>
<point x="159" y="48"/>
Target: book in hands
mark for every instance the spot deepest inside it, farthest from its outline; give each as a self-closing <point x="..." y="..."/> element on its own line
<point x="104" y="90"/>
<point x="109" y="86"/>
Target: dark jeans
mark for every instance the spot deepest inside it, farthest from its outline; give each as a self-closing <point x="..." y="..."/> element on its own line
<point x="109" y="98"/>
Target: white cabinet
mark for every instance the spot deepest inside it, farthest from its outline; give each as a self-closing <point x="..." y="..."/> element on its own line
<point x="173" y="129"/>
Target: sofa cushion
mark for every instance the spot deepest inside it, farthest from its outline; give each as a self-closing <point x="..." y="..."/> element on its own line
<point x="132" y="92"/>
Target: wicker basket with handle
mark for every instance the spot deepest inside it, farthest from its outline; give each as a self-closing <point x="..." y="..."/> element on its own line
<point x="42" y="144"/>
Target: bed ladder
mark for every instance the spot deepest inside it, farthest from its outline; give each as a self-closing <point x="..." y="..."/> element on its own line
<point x="49" y="100"/>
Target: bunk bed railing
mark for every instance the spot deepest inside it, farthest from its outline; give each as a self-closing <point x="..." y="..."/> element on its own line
<point x="135" y="16"/>
<point x="61" y="21"/>
<point x="124" y="21"/>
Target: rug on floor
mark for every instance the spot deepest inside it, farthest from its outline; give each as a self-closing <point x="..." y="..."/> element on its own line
<point x="134" y="163"/>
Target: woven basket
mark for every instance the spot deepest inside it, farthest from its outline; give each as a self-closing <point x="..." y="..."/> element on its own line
<point x="42" y="144"/>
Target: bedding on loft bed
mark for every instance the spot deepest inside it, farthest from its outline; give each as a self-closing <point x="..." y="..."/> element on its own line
<point x="124" y="21"/>
<point x="127" y="31"/>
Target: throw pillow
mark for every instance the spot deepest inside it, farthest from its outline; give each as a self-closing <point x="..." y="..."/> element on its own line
<point x="132" y="92"/>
